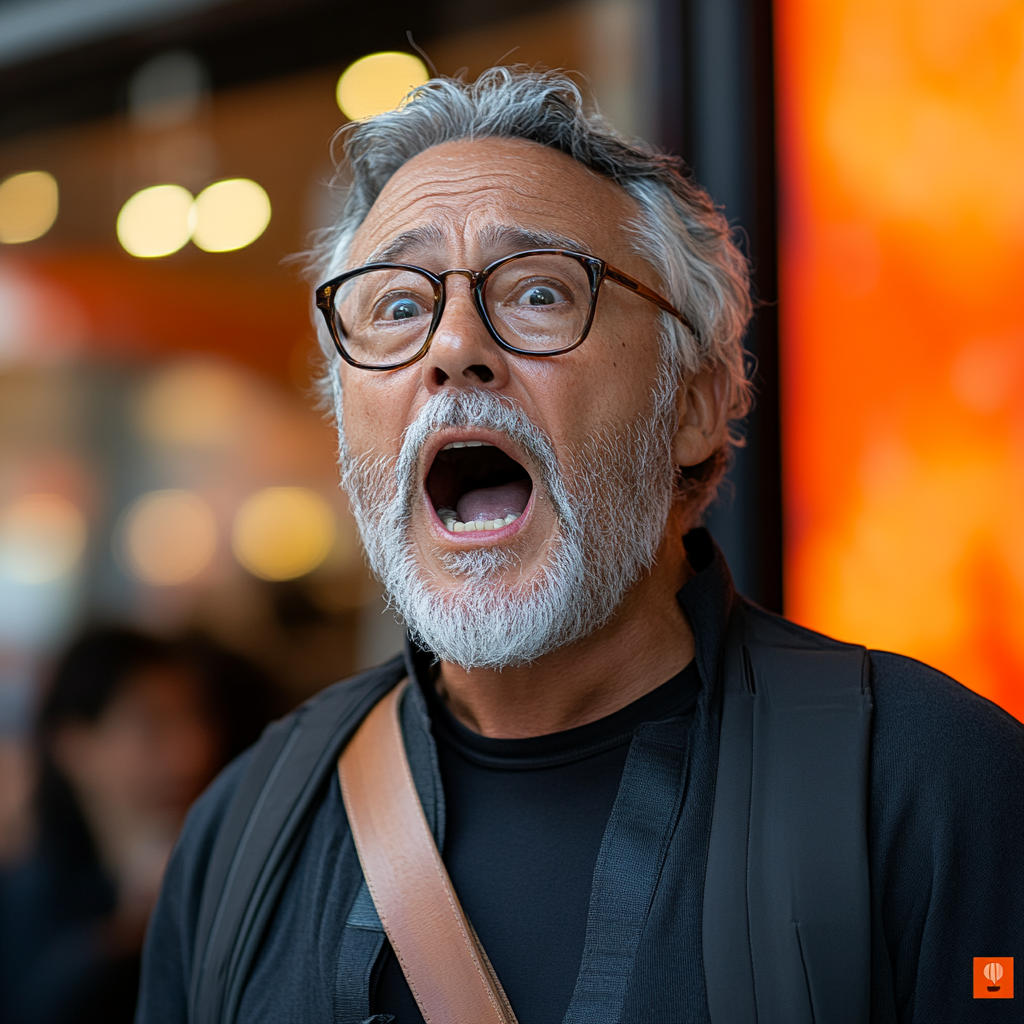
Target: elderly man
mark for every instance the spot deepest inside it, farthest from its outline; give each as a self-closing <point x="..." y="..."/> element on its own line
<point x="599" y="786"/>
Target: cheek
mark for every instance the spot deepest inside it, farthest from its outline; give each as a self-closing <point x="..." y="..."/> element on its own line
<point x="609" y="385"/>
<point x="374" y="411"/>
<point x="120" y="764"/>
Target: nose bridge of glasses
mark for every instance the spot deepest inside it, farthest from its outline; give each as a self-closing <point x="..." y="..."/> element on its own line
<point x="471" y="275"/>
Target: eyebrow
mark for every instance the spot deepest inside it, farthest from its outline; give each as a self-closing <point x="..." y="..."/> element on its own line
<point x="498" y="238"/>
<point x="507" y="236"/>
<point x="426" y="235"/>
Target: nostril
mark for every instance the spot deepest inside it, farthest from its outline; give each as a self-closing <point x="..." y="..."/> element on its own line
<point x="483" y="373"/>
<point x="439" y="376"/>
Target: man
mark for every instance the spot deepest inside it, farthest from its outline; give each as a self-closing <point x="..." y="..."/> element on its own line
<point x="535" y="358"/>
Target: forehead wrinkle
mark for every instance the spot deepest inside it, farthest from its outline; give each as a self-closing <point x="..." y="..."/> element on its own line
<point x="452" y="191"/>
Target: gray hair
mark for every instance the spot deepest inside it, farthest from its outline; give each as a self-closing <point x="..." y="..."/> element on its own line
<point x="680" y="231"/>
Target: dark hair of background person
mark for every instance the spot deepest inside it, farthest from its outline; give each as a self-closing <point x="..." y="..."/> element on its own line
<point x="91" y="674"/>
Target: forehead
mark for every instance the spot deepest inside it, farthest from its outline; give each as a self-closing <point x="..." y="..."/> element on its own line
<point x="482" y="199"/>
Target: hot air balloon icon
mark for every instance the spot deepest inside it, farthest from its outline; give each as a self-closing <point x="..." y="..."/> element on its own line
<point x="993" y="972"/>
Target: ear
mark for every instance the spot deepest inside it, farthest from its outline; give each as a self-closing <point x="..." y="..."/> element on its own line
<point x="700" y="405"/>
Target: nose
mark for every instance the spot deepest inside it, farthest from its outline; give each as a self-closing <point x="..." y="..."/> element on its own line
<point x="462" y="352"/>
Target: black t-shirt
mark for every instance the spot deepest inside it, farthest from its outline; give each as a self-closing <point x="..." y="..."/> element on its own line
<point x="524" y="823"/>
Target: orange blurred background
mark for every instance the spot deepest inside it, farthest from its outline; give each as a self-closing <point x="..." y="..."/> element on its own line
<point x="901" y="141"/>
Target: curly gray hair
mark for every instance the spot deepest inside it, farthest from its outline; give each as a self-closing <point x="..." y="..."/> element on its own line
<point x="680" y="231"/>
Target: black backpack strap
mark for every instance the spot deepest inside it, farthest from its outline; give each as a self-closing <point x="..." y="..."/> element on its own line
<point x="787" y="912"/>
<point x="262" y="832"/>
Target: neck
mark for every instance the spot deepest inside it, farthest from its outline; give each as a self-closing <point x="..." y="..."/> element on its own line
<point x="646" y="642"/>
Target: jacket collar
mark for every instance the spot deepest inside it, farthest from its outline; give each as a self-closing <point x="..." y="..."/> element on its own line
<point x="707" y="599"/>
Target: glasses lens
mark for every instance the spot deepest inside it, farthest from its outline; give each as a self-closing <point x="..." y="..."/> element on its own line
<point x="383" y="316"/>
<point x="539" y="303"/>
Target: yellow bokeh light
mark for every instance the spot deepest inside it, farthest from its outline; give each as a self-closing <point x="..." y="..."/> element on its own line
<point x="28" y="206"/>
<point x="193" y="404"/>
<point x="283" y="532"/>
<point x="155" y="221"/>
<point x="42" y="537"/>
<point x="169" y="537"/>
<point x="378" y="83"/>
<point x="229" y="215"/>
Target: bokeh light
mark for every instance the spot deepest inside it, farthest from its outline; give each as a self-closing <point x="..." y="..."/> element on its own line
<point x="28" y="206"/>
<point x="283" y="532"/>
<point x="42" y="537"/>
<point x="155" y="221"/>
<point x="229" y="215"/>
<point x="169" y="537"/>
<point x="192" y="404"/>
<point x="378" y="82"/>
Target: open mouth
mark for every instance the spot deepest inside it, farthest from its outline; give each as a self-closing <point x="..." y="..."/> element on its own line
<point x="474" y="485"/>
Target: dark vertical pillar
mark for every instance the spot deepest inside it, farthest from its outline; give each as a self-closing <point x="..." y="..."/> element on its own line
<point x="718" y="112"/>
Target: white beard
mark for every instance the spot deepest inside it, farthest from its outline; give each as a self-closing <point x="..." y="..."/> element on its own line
<point x="611" y="503"/>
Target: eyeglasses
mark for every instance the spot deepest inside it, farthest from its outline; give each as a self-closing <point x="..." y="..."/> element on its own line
<point x="541" y="302"/>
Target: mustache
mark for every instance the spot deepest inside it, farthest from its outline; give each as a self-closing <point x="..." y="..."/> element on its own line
<point x="395" y="479"/>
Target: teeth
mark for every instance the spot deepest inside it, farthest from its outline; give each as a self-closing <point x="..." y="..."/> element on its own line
<point x="455" y="526"/>
<point x="467" y="444"/>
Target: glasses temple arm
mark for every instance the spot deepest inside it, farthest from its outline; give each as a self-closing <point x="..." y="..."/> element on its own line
<point x="648" y="293"/>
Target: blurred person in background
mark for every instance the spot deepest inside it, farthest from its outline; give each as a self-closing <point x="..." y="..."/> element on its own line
<point x="129" y="733"/>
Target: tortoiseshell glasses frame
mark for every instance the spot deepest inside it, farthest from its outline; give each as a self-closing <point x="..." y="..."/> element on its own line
<point x="597" y="270"/>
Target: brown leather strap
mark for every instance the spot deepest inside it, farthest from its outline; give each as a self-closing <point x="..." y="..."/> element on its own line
<point x="442" y="959"/>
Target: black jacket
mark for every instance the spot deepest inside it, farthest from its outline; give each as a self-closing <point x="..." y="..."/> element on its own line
<point x="945" y="834"/>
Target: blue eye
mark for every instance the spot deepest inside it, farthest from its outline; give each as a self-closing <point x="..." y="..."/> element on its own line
<point x="404" y="309"/>
<point x="541" y="296"/>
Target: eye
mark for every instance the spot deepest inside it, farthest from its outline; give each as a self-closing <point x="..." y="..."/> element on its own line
<point x="541" y="296"/>
<point x="402" y="309"/>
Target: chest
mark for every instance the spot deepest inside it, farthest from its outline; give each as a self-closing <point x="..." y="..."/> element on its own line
<point x="583" y="883"/>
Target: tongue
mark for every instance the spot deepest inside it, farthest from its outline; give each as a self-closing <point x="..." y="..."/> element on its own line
<point x="494" y="502"/>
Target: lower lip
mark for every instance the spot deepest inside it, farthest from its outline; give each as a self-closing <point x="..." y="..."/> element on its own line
<point x="477" y="536"/>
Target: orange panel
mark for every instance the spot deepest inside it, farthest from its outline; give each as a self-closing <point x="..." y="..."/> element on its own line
<point x="130" y="308"/>
<point x="902" y="282"/>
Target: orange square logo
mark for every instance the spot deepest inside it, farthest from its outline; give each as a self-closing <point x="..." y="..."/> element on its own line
<point x="993" y="977"/>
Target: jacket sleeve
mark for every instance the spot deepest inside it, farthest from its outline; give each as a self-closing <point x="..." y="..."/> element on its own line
<point x="947" y="830"/>
<point x="170" y="940"/>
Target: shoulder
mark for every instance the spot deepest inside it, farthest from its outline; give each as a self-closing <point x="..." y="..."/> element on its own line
<point x="206" y="815"/>
<point x="918" y="709"/>
<point x="760" y="625"/>
<point x="335" y="703"/>
<point x="931" y="731"/>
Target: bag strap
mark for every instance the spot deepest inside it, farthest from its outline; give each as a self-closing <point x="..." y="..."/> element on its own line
<point x="787" y="911"/>
<point x="439" y="952"/>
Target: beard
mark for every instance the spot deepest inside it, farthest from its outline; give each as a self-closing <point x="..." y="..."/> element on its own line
<point x="611" y="497"/>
